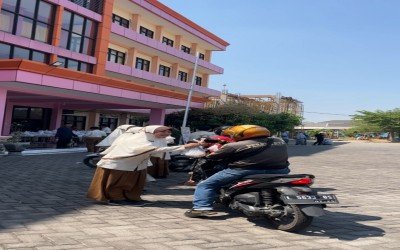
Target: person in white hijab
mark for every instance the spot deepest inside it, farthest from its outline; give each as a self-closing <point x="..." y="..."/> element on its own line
<point x="159" y="161"/>
<point x="121" y="173"/>
<point x="106" y="142"/>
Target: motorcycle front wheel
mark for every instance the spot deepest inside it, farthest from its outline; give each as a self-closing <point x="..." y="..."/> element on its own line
<point x="91" y="161"/>
<point x="294" y="220"/>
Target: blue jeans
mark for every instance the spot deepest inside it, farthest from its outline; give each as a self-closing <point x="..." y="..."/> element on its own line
<point x="206" y="191"/>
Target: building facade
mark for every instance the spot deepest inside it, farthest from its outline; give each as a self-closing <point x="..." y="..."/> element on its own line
<point x="271" y="104"/>
<point x="90" y="62"/>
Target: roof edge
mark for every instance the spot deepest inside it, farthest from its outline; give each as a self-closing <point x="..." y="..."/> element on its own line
<point x="186" y="21"/>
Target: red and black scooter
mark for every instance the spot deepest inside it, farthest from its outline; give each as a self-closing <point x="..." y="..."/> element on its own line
<point x="286" y="201"/>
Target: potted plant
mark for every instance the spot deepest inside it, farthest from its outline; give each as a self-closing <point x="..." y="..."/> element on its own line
<point x="14" y="143"/>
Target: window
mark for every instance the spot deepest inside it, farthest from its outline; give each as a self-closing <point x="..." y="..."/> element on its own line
<point x="93" y="5"/>
<point x="78" y="33"/>
<point x="79" y="122"/>
<point x="5" y="50"/>
<point x="185" y="49"/>
<point x="75" y="65"/>
<point x="116" y="56"/>
<point x="198" y="80"/>
<point x="182" y="76"/>
<point x="32" y="19"/>
<point x="112" y="123"/>
<point x="142" y="64"/>
<point x="120" y="20"/>
<point x="146" y="32"/>
<point x="201" y="56"/>
<point x="31" y="118"/>
<point x="11" y="51"/>
<point x="6" y="21"/>
<point x="168" y="41"/>
<point x="164" y="70"/>
<point x="21" y="53"/>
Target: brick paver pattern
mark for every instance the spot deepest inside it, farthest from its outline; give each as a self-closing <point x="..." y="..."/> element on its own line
<point x="43" y="206"/>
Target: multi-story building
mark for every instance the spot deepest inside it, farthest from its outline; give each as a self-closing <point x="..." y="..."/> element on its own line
<point x="90" y="62"/>
<point x="271" y="104"/>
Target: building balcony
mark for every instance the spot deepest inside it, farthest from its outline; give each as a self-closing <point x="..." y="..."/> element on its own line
<point x="129" y="38"/>
<point x="150" y="79"/>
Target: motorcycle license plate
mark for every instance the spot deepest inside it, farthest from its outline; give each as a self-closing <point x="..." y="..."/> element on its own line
<point x="310" y="199"/>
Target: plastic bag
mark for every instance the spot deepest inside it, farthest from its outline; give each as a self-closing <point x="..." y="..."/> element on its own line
<point x="195" y="152"/>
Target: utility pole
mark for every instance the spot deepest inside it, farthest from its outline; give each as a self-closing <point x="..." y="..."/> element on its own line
<point x="186" y="130"/>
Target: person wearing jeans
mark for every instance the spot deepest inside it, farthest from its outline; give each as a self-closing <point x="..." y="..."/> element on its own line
<point x="253" y="153"/>
<point x="206" y="190"/>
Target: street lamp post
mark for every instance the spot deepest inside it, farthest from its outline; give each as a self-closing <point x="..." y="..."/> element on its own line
<point x="186" y="130"/>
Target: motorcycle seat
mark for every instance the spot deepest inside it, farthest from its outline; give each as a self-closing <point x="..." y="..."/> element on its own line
<point x="277" y="176"/>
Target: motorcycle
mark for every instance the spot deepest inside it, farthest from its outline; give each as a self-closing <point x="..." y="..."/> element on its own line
<point x="91" y="160"/>
<point x="286" y="201"/>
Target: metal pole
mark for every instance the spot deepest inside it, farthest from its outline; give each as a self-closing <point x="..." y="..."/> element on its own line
<point x="190" y="91"/>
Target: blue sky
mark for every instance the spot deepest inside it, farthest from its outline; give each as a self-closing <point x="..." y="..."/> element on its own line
<point x="336" y="56"/>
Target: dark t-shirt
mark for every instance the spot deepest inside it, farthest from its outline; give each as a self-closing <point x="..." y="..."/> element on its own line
<point x="64" y="134"/>
<point x="257" y="153"/>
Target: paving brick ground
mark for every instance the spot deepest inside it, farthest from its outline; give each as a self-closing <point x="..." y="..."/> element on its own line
<point x="43" y="206"/>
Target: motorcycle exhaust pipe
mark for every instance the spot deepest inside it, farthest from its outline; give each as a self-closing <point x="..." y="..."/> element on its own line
<point x="247" y="209"/>
<point x="257" y="211"/>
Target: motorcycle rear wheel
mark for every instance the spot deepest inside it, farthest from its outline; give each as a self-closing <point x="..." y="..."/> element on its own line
<point x="292" y="222"/>
<point x="91" y="161"/>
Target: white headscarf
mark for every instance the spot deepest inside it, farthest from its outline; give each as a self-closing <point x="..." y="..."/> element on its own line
<point x="132" y="151"/>
<point x="106" y="142"/>
<point x="135" y="141"/>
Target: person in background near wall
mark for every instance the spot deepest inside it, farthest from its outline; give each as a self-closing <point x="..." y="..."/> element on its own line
<point x="105" y="129"/>
<point x="320" y="138"/>
<point x="92" y="137"/>
<point x="301" y="139"/>
<point x="121" y="173"/>
<point x="285" y="136"/>
<point x="64" y="136"/>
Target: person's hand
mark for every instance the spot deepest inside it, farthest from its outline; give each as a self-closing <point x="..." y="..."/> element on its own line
<point x="191" y="145"/>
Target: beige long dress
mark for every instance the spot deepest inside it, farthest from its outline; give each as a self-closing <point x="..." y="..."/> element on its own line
<point x="121" y="173"/>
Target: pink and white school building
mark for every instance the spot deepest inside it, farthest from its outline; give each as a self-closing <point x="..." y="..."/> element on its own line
<point x="92" y="62"/>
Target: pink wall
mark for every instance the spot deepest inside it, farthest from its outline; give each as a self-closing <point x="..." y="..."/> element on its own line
<point x="61" y="83"/>
<point x="3" y="100"/>
<point x="157" y="117"/>
<point x="126" y="70"/>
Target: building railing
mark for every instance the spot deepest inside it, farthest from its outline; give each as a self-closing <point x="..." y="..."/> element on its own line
<point x="93" y="5"/>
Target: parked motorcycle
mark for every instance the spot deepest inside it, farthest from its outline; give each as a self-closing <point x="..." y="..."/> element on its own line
<point x="91" y="160"/>
<point x="286" y="201"/>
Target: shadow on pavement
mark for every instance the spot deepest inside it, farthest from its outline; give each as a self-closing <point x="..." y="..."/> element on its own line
<point x="344" y="226"/>
<point x="337" y="225"/>
<point x="36" y="188"/>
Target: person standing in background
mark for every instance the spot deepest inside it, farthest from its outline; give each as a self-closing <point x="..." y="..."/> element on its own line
<point x="64" y="136"/>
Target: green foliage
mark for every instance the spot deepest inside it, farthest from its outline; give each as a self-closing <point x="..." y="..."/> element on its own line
<point x="378" y="121"/>
<point x="15" y="137"/>
<point x="233" y="114"/>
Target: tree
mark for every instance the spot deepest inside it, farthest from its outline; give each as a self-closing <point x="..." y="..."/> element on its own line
<point x="233" y="114"/>
<point x="380" y="121"/>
